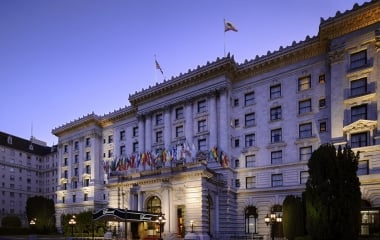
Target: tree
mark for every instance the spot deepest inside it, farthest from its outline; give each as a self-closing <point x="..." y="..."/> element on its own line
<point x="42" y="211"/>
<point x="293" y="217"/>
<point x="11" y="221"/>
<point x="333" y="194"/>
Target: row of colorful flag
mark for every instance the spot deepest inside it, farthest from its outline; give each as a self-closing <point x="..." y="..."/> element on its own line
<point x="161" y="158"/>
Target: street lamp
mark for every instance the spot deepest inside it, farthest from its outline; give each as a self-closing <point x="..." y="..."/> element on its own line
<point x="33" y="221"/>
<point x="72" y="222"/>
<point x="160" y="220"/>
<point x="272" y="220"/>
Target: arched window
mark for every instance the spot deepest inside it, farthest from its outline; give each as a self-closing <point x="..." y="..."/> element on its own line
<point x="153" y="205"/>
<point x="251" y="219"/>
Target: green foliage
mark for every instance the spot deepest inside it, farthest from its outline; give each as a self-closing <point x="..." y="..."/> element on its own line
<point x="11" y="221"/>
<point x="41" y="210"/>
<point x="333" y="194"/>
<point x="84" y="226"/>
<point x="293" y="217"/>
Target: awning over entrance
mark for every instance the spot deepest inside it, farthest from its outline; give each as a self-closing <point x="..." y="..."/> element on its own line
<point x="121" y="215"/>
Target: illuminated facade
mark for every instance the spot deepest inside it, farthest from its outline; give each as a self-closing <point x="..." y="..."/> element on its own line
<point x="28" y="168"/>
<point x="219" y="147"/>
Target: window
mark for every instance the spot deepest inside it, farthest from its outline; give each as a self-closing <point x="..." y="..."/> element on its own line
<point x="63" y="199"/>
<point x="236" y="123"/>
<point x="135" y="132"/>
<point x="110" y="139"/>
<point x="75" y="184"/>
<point x="275" y="113"/>
<point x="237" y="163"/>
<point x="88" y="143"/>
<point x="76" y="172"/>
<point x="88" y="169"/>
<point x="179" y="113"/>
<point x="275" y="91"/>
<point x="249" y="98"/>
<point x="202" y="106"/>
<point x="358" y="59"/>
<point x="237" y="183"/>
<point x="277" y="180"/>
<point x="236" y="102"/>
<point x="179" y="131"/>
<point x="322" y="103"/>
<point x="65" y="147"/>
<point x="250" y="119"/>
<point x="249" y="140"/>
<point x="110" y="153"/>
<point x="322" y="78"/>
<point x="305" y="130"/>
<point x="304" y="176"/>
<point x="304" y="83"/>
<point x="304" y="106"/>
<point x="359" y="140"/>
<point x="202" y="145"/>
<point x="76" y="145"/>
<point x="250" y="182"/>
<point x="359" y="112"/>
<point x="135" y="147"/>
<point x="358" y="87"/>
<point x="122" y="150"/>
<point x="250" y="161"/>
<point x="251" y="219"/>
<point x="276" y="135"/>
<point x="65" y="174"/>
<point x="236" y="142"/>
<point x="202" y="127"/>
<point x="65" y="162"/>
<point x="85" y="197"/>
<point x="74" y="198"/>
<point x="88" y="156"/>
<point x="122" y="135"/>
<point x="322" y="127"/>
<point x="76" y="158"/>
<point x="159" y="119"/>
<point x="159" y="137"/>
<point x="276" y="157"/>
<point x="363" y="168"/>
<point x="305" y="153"/>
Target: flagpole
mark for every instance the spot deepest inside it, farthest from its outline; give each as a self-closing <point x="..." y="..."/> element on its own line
<point x="224" y="37"/>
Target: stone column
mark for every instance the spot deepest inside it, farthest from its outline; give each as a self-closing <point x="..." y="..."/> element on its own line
<point x="223" y="121"/>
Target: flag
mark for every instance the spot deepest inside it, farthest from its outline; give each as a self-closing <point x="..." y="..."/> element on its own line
<point x="228" y="26"/>
<point x="158" y="67"/>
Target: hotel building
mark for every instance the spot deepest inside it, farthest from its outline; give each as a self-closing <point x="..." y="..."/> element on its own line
<point x="218" y="148"/>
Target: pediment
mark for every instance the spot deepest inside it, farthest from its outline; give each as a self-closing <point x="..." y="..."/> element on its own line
<point x="360" y="126"/>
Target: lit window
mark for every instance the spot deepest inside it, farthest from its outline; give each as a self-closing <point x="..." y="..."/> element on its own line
<point x="322" y="78"/>
<point x="304" y="83"/>
<point x="322" y="127"/>
<point x="275" y="91"/>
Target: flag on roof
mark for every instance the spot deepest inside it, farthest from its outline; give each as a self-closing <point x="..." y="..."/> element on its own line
<point x="228" y="26"/>
<point x="159" y="67"/>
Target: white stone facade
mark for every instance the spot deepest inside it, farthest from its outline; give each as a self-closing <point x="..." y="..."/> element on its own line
<point x="265" y="117"/>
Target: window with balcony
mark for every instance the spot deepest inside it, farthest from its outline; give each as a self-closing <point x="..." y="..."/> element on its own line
<point x="275" y="91"/>
<point x="305" y="130"/>
<point x="304" y="83"/>
<point x="359" y="140"/>
<point x="250" y="140"/>
<point x="276" y="135"/>
<point x="358" y="59"/>
<point x="250" y="161"/>
<point x="249" y="98"/>
<point x="304" y="106"/>
<point x="359" y="112"/>
<point x="275" y="113"/>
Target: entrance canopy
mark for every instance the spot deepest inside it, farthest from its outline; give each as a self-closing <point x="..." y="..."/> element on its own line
<point x="121" y="215"/>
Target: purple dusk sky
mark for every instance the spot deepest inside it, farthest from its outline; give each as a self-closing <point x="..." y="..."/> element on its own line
<point x="62" y="59"/>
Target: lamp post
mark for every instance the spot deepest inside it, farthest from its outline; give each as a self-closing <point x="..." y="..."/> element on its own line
<point x="33" y="221"/>
<point x="160" y="222"/>
<point x="192" y="226"/>
<point x="272" y="220"/>
<point x="72" y="222"/>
